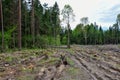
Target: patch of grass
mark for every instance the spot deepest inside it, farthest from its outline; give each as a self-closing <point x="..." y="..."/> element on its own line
<point x="73" y="71"/>
<point x="51" y="61"/>
<point x="25" y="78"/>
<point x="48" y="53"/>
<point x="71" y="51"/>
<point x="9" y="58"/>
<point x="10" y="51"/>
<point x="28" y="70"/>
<point x="70" y="61"/>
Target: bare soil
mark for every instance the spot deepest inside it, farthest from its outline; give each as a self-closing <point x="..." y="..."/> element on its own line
<point x="90" y="62"/>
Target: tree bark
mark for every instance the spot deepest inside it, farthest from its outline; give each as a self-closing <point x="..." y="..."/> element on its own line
<point x="1" y="14"/>
<point x="19" y="25"/>
<point x="33" y="24"/>
<point x="85" y="34"/>
<point x="68" y="40"/>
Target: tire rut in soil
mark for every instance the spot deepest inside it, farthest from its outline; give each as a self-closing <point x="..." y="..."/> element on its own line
<point x="106" y="73"/>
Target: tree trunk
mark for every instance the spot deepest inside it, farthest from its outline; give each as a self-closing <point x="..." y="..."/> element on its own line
<point x="25" y="28"/>
<point x="68" y="40"/>
<point x="85" y="38"/>
<point x="19" y="26"/>
<point x="33" y="24"/>
<point x="1" y="14"/>
<point x="55" y="34"/>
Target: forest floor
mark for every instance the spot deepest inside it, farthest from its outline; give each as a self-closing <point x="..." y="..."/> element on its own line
<point x="77" y="63"/>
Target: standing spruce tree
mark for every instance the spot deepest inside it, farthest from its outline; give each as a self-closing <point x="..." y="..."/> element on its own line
<point x="10" y="16"/>
<point x="25" y="23"/>
<point x="68" y="15"/>
<point x="1" y="18"/>
<point x="38" y="12"/>
<point x="118" y="28"/>
<point x="116" y="33"/>
<point x="19" y="25"/>
<point x="101" y="36"/>
<point x="55" y="20"/>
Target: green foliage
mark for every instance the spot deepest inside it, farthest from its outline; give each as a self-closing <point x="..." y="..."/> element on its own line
<point x="48" y="30"/>
<point x="47" y="24"/>
<point x="64" y="40"/>
<point x="8" y="36"/>
<point x="93" y="35"/>
<point x="77" y="34"/>
<point x="67" y="13"/>
<point x="68" y="16"/>
<point x="44" y="41"/>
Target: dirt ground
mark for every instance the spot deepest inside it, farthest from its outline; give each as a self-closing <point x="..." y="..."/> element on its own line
<point x="80" y="62"/>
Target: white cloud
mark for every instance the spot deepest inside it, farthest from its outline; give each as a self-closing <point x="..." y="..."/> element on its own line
<point x="94" y="9"/>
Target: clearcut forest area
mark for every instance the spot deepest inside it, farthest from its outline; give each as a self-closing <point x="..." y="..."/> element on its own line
<point x="78" y="63"/>
<point x="44" y="40"/>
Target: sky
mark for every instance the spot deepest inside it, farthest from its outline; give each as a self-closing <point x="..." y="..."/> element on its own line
<point x="103" y="12"/>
